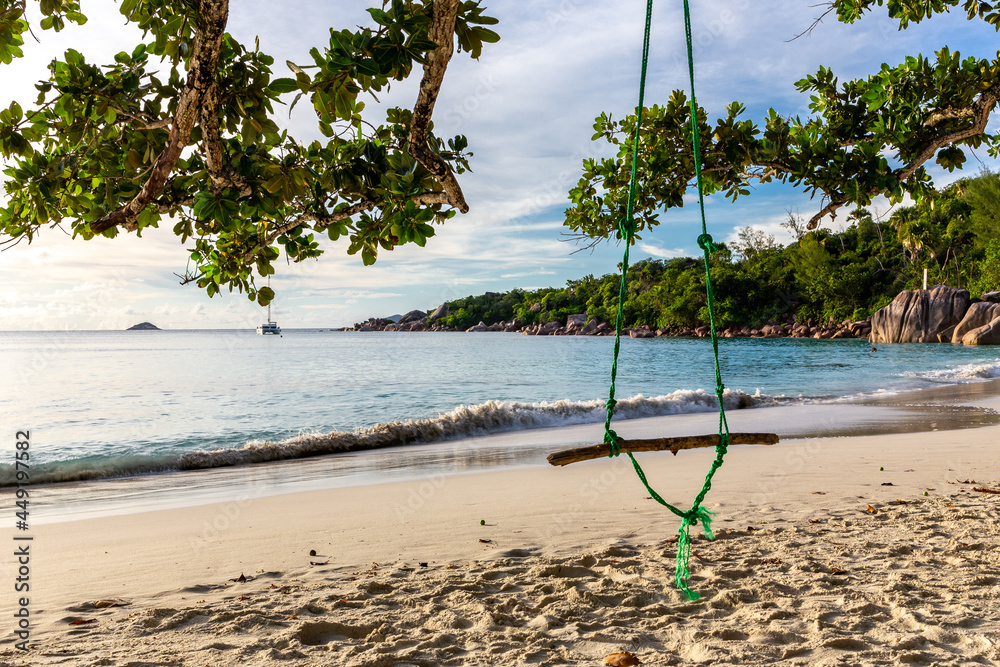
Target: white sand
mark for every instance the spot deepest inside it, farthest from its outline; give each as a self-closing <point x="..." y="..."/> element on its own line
<point x="577" y="564"/>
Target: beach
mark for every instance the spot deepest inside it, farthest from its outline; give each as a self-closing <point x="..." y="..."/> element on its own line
<point x="875" y="549"/>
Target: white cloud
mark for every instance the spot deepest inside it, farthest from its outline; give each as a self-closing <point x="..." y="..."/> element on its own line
<point x="663" y="253"/>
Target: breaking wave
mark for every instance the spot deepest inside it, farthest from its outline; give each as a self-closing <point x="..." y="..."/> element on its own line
<point x="463" y="421"/>
<point x="969" y="372"/>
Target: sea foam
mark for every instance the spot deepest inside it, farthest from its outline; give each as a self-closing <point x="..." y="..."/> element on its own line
<point x="968" y="372"/>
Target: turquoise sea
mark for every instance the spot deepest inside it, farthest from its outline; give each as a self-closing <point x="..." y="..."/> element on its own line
<point x="142" y="404"/>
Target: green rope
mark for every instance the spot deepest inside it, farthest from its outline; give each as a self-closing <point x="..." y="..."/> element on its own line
<point x="626" y="229"/>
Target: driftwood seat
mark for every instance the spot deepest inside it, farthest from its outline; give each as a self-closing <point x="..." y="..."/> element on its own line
<point x="659" y="445"/>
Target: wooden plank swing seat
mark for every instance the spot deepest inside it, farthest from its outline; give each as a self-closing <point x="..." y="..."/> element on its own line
<point x="659" y="445"/>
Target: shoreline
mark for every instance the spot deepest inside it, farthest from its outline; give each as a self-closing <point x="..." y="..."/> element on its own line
<point x="174" y="566"/>
<point x="949" y="407"/>
<point x="581" y="325"/>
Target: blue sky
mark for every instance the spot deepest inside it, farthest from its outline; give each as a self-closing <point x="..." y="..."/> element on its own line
<point x="527" y="107"/>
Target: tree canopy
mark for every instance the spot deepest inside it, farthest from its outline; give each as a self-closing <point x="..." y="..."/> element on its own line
<point x="864" y="137"/>
<point x="183" y="126"/>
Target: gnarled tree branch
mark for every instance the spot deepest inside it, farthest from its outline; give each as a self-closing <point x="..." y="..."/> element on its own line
<point x="979" y="111"/>
<point x="212" y="16"/>
<point x="442" y="33"/>
<point x="325" y="220"/>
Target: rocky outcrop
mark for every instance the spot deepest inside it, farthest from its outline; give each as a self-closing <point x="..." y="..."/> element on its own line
<point x="576" y="322"/>
<point x="919" y="316"/>
<point x="439" y="312"/>
<point x="988" y="334"/>
<point x="978" y="315"/>
<point x="143" y="326"/>
<point x="992" y="297"/>
<point x="412" y="316"/>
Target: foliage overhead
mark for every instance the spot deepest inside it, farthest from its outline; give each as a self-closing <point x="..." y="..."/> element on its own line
<point x="183" y="126"/>
<point x="864" y="137"/>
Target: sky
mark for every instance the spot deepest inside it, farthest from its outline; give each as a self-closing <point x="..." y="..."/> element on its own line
<point x="527" y="107"/>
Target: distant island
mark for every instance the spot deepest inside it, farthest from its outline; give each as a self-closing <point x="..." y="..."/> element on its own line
<point x="143" y="326"/>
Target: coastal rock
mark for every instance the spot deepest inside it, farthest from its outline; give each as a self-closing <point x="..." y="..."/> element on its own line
<point x="477" y="328"/>
<point x="143" y="326"/>
<point x="860" y="329"/>
<point x="984" y="335"/>
<point x="412" y="316"/>
<point x="574" y="322"/>
<point x="548" y="328"/>
<point x="946" y="335"/>
<point x="919" y="316"/>
<point x="536" y="307"/>
<point x="978" y="315"/>
<point x="439" y="312"/>
<point x="992" y="297"/>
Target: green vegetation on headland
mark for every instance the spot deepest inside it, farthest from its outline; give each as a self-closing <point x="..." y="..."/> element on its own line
<point x="824" y="276"/>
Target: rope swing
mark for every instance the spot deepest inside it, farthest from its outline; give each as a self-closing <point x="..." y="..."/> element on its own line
<point x="614" y="444"/>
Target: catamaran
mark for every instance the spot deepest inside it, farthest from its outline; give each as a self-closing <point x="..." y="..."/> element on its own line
<point x="270" y="327"/>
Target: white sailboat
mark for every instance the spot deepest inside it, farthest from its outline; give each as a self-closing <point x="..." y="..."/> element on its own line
<point x="270" y="327"/>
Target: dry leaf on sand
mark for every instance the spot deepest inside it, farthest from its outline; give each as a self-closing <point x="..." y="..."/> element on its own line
<point x="623" y="659"/>
<point x="112" y="602"/>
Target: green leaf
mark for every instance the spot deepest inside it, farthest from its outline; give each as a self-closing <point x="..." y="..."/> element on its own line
<point x="265" y="295"/>
<point x="487" y="35"/>
<point x="284" y="85"/>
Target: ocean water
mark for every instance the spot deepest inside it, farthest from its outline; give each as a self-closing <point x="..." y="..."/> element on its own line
<point x="105" y="404"/>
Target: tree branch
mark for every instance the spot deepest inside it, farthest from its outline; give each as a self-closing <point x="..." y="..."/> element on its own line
<point x="212" y="16"/>
<point x="827" y="210"/>
<point x="442" y="33"/>
<point x="222" y="176"/>
<point x="167" y="206"/>
<point x="816" y="21"/>
<point x="325" y="220"/>
<point x="980" y="113"/>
